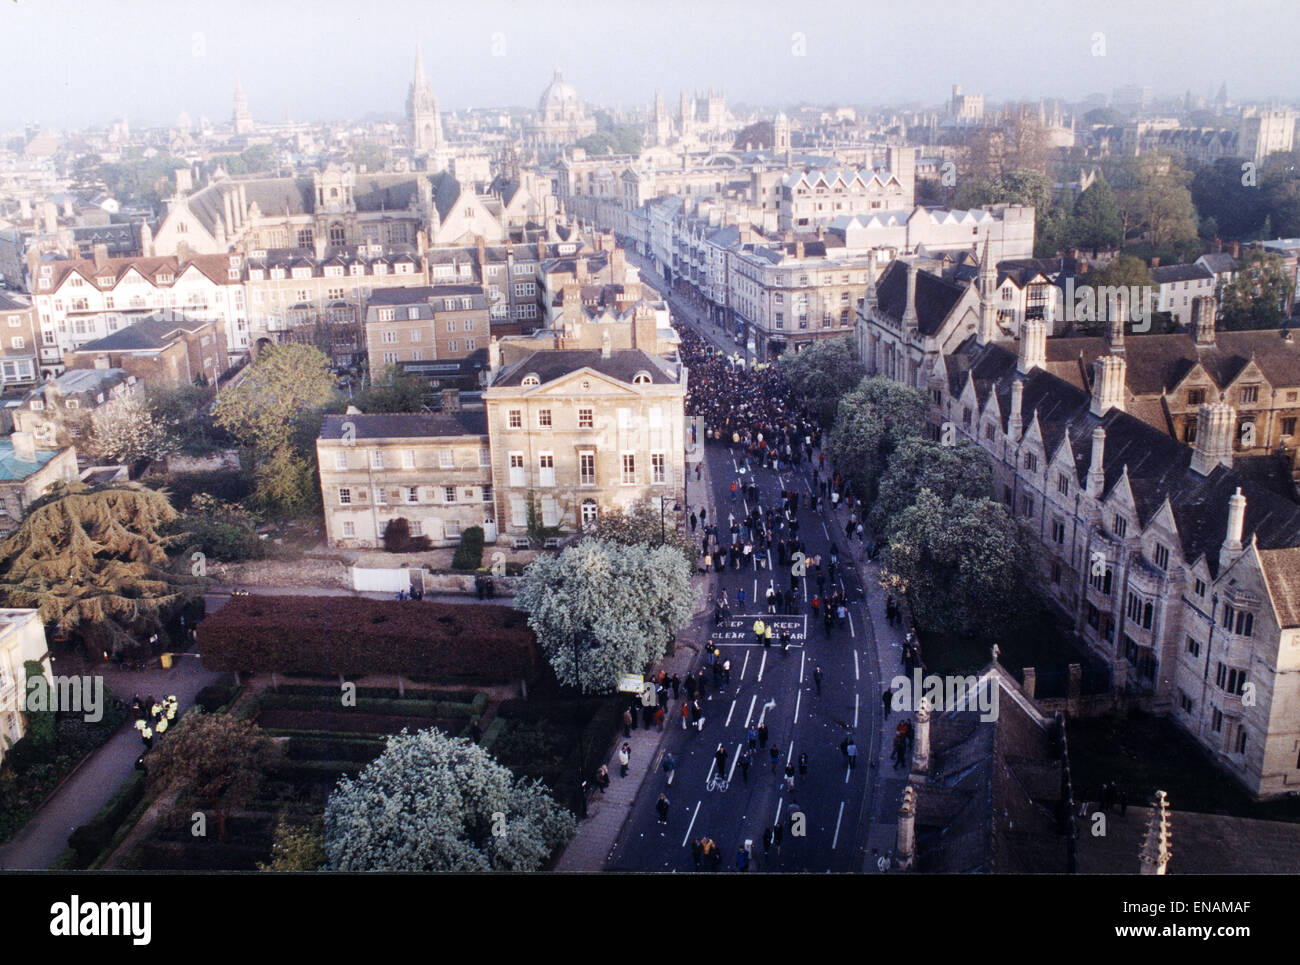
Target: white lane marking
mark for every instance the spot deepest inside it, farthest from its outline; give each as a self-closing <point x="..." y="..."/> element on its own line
<point x="825" y="530"/>
<point x="802" y="656"/>
<point x="836" y="839"/>
<point x="856" y="674"/>
<point x="730" y="711"/>
<point x="692" y="824"/>
<point x="789" y="755"/>
<point x="734" y="758"/>
<point x="798" y="696"/>
<point x="779" y="802"/>
<point x="852" y="632"/>
<point x="750" y="715"/>
<point x="770" y="705"/>
<point x="769" y="561"/>
<point x="762" y="666"/>
<point x="744" y="665"/>
<point x="855" y="710"/>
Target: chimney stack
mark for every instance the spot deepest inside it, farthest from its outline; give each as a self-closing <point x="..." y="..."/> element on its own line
<point x="1096" y="468"/>
<point x="1204" y="308"/>
<point x="451" y="400"/>
<point x="494" y="359"/>
<point x="1108" y="384"/>
<point x="1230" y="551"/>
<point x="798" y="250"/>
<point x="1033" y="346"/>
<point x="100" y="254"/>
<point x="24" y="444"/>
<point x="1215" y="424"/>
<point x="1236" y="249"/>
<point x="1154" y="856"/>
<point x="909" y="306"/>
<point x="1016" y="420"/>
<point x="921" y="756"/>
<point x="1117" y="315"/>
<point x="606" y="344"/>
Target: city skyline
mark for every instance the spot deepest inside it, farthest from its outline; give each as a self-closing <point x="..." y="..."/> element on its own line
<point x="188" y="62"/>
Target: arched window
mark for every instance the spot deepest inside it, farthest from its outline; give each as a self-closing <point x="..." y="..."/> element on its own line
<point x="338" y="235"/>
<point x="530" y="380"/>
<point x="641" y="378"/>
<point x="589" y="513"/>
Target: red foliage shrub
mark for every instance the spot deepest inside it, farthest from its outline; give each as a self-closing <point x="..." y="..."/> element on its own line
<point x="329" y="635"/>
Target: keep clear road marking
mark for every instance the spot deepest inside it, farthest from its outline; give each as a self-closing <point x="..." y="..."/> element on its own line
<point x="835" y="840"/>
<point x="692" y="824"/>
<point x="749" y="716"/>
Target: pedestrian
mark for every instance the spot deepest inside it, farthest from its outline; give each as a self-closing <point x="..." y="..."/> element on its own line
<point x="720" y="758"/>
<point x="676" y="684"/>
<point x="900" y="751"/>
<point x="694" y="520"/>
<point x="817" y="679"/>
<point x="762" y="735"/>
<point x="742" y="859"/>
<point x="740" y="598"/>
<point x="624" y="756"/>
<point x="852" y="751"/>
<point x="659" y="718"/>
<point x="662" y="807"/>
<point x="670" y="766"/>
<point x="686" y="712"/>
<point x="886" y="699"/>
<point x="602" y="778"/>
<point x="746" y="757"/>
<point x="767" y="841"/>
<point x="803" y="765"/>
<point x="778" y="832"/>
<point x="775" y="756"/>
<point x="726" y="671"/>
<point x="627" y="722"/>
<point x="698" y="713"/>
<point x="752" y="734"/>
<point x="789" y="776"/>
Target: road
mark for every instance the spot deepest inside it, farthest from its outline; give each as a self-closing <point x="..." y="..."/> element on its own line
<point x="778" y="689"/>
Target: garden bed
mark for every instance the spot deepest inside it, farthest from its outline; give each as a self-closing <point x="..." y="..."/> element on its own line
<point x="352" y="721"/>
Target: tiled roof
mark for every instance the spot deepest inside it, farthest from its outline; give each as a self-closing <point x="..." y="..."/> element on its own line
<point x="1168" y="274"/>
<point x="935" y="297"/>
<point x="151" y="333"/>
<point x="1282" y="571"/>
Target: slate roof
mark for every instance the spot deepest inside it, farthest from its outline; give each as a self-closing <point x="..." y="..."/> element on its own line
<point x="935" y="297"/>
<point x="420" y="293"/>
<point x="1282" y="573"/>
<point x="988" y="804"/>
<point x="1219" y="262"/>
<point x="1160" y="362"/>
<point x="151" y="333"/>
<point x="1158" y="467"/>
<point x="552" y="364"/>
<point x="1168" y="274"/>
<point x="408" y="425"/>
<point x="8" y="303"/>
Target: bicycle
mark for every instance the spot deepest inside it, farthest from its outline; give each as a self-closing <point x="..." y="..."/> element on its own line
<point x="717" y="783"/>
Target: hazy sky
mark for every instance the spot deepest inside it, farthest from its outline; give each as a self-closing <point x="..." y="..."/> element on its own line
<point x="72" y="63"/>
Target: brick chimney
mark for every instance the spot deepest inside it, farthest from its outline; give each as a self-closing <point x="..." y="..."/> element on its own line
<point x="1204" y="308"/>
<point x="100" y="253"/>
<point x="24" y="444"/>
<point x="1235" y="248"/>
<point x="798" y="250"/>
<point x="1155" y="262"/>
<point x="451" y="400"/>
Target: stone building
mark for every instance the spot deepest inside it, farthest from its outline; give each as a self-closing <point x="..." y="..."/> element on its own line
<point x="26" y="472"/>
<point x="19" y="340"/>
<point x="56" y="412"/>
<point x="428" y="323"/>
<point x="431" y="469"/>
<point x="561" y="118"/>
<point x="580" y="432"/>
<point x="22" y="640"/>
<point x="161" y="350"/>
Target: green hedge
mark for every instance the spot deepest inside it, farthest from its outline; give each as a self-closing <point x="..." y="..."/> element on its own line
<point x="385" y="693"/>
<point x="494" y="730"/>
<point x="221" y="693"/>
<point x="313" y="770"/>
<point x="318" y="749"/>
<point x="469" y="554"/>
<point x="90" y="840"/>
<point x="366" y="705"/>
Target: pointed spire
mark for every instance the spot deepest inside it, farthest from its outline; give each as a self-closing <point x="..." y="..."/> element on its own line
<point x="420" y="77"/>
<point x="1155" y="853"/>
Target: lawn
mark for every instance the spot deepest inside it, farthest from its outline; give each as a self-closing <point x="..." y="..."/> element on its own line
<point x="1144" y="754"/>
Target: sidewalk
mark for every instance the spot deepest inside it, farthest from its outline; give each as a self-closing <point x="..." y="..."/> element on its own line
<point x="598" y="834"/>
<point x="98" y="777"/>
<point x="882" y="832"/>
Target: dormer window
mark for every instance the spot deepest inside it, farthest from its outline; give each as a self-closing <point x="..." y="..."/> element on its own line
<point x="530" y="380"/>
<point x="164" y="279"/>
<point x="641" y="378"/>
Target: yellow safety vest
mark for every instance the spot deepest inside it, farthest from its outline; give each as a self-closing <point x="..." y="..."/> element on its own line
<point x="162" y="725"/>
<point x="758" y="626"/>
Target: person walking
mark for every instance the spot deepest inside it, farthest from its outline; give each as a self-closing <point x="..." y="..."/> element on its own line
<point x="762" y="735"/>
<point x="778" y="833"/>
<point x="817" y="678"/>
<point x="670" y="767"/>
<point x="624" y="756"/>
<point x="886" y="702"/>
<point x="676" y="683"/>
<point x="720" y="758"/>
<point x="745" y="759"/>
<point x="803" y="765"/>
<point x="662" y="807"/>
<point x="789" y="776"/>
<point x="852" y="751"/>
<point x="775" y="756"/>
<point x="767" y="842"/>
<point x="697" y="852"/>
<point x="686" y="713"/>
<point x="726" y="671"/>
<point x="742" y="859"/>
<point x="752" y="734"/>
<point x="900" y="751"/>
<point x="627" y="722"/>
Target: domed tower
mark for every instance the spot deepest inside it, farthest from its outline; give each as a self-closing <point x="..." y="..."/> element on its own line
<point x="422" y="110"/>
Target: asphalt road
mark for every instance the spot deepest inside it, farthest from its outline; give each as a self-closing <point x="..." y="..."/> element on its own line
<point x="777" y="688"/>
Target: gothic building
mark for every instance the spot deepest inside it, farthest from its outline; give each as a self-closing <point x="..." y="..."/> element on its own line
<point x="422" y="112"/>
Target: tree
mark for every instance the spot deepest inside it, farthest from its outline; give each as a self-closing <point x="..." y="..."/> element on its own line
<point x="41" y="723"/>
<point x="219" y="530"/>
<point x="295" y="848"/>
<point x="218" y="758"/>
<point x="127" y="430"/>
<point x="1219" y="193"/>
<point x="1258" y="295"/>
<point x="431" y="802"/>
<point x="185" y="409"/>
<point x="1096" y="222"/>
<point x="286" y="483"/>
<point x="870" y="423"/>
<point x="393" y="391"/>
<point x="398" y="538"/>
<point x="1160" y="200"/>
<point x="757" y="136"/>
<point x="822" y="373"/>
<point x="619" y="606"/>
<point x="917" y="464"/>
<point x="646" y="523"/>
<point x="961" y="563"/>
<point x="1092" y="314"/>
<point x="262" y="409"/>
<point x="96" y="562"/>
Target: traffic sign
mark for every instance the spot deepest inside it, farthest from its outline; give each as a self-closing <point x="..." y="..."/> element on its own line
<point x="631" y="683"/>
